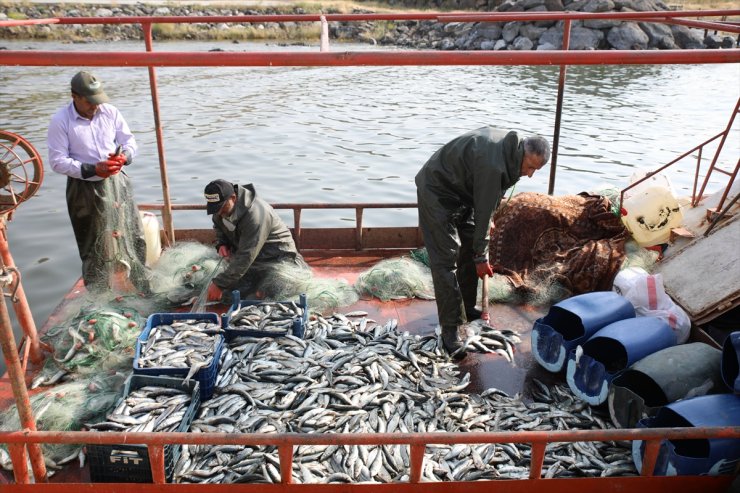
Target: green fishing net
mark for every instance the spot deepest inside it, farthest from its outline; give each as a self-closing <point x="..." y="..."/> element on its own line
<point x="182" y="273"/>
<point x="613" y="194"/>
<point x="638" y="256"/>
<point x="286" y="281"/>
<point x="67" y="407"/>
<point x="99" y="337"/>
<point x="115" y="247"/>
<point x="396" y="278"/>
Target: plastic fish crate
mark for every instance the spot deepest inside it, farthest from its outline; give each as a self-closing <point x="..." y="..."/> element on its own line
<point x="297" y="329"/>
<point x="206" y="375"/>
<point x="130" y="463"/>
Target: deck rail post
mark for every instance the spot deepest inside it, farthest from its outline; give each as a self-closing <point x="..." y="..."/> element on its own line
<point x="156" y="463"/>
<point x="537" y="457"/>
<point x="559" y="111"/>
<point x="297" y="228"/>
<point x="417" y="461"/>
<point x="358" y="228"/>
<point x="169" y="229"/>
<point x="324" y="34"/>
<point x="285" y="452"/>
<point x="20" y="394"/>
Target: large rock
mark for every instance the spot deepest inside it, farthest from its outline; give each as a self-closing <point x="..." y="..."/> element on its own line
<point x="628" y="36"/>
<point x="601" y="23"/>
<point x="531" y="31"/>
<point x="582" y="38"/>
<point x="598" y="6"/>
<point x="690" y="39"/>
<point x="554" y="5"/>
<point x="522" y="44"/>
<point x="103" y="13"/>
<point x="640" y="5"/>
<point x="576" y="5"/>
<point x="511" y="31"/>
<point x="529" y="4"/>
<point x="488" y="30"/>
<point x="659" y="35"/>
<point x="713" y="41"/>
<point x="553" y="37"/>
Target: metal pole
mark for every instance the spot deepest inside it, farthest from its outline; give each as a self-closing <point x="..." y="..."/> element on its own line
<point x="20" y="392"/>
<point x="20" y="303"/>
<point x="324" y="34"/>
<point x="559" y="111"/>
<point x="169" y="229"/>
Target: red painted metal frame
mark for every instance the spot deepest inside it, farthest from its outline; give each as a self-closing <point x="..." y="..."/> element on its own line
<point x="696" y="197"/>
<point x="365" y="58"/>
<point x="19" y="441"/>
<point x="286" y="442"/>
<point x="650" y="16"/>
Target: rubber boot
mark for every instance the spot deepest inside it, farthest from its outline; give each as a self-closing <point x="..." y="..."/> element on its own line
<point x="452" y="343"/>
<point x="473" y="314"/>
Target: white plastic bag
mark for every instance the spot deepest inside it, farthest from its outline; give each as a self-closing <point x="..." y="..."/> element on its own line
<point x="646" y="293"/>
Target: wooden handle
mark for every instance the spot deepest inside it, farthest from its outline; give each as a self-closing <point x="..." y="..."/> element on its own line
<point x="484" y="299"/>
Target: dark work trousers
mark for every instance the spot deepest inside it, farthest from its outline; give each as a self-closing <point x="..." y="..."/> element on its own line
<point x="86" y="204"/>
<point x="448" y="237"/>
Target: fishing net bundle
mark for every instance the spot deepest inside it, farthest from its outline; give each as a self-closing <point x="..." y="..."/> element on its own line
<point x="68" y="407"/>
<point x="397" y="278"/>
<point x="97" y="335"/>
<point x="287" y="280"/>
<point x="120" y="239"/>
<point x="638" y="256"/>
<point x="182" y="272"/>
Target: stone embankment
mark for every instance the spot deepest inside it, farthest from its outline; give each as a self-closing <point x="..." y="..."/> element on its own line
<point x="540" y="35"/>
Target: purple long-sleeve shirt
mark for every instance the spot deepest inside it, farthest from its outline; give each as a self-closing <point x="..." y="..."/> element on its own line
<point x="74" y="140"/>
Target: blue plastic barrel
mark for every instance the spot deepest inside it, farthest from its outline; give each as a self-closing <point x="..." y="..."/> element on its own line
<point x="712" y="456"/>
<point x="731" y="362"/>
<point x="611" y="351"/>
<point x="571" y="322"/>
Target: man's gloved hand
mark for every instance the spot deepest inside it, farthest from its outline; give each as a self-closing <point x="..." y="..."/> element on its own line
<point x="224" y="251"/>
<point x="120" y="159"/>
<point x="214" y="292"/>
<point x="104" y="169"/>
<point x="483" y="269"/>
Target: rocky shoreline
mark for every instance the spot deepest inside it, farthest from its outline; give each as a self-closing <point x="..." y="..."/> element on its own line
<point x="541" y="35"/>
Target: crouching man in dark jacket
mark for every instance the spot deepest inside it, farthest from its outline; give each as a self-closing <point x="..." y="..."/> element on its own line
<point x="458" y="189"/>
<point x="250" y="234"/>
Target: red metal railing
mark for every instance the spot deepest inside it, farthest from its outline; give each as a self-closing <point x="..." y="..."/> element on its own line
<point x="696" y="197"/>
<point x="20" y="441"/>
<point x="286" y="443"/>
<point x="324" y="58"/>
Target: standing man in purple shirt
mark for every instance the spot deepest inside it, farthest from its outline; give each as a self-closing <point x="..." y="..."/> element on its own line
<point x="89" y="141"/>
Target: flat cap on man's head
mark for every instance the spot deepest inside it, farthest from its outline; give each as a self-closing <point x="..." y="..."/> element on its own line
<point x="90" y="87"/>
<point x="217" y="192"/>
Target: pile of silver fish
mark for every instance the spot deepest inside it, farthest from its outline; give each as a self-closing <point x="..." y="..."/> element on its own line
<point x="270" y="317"/>
<point x="149" y="408"/>
<point x="352" y="375"/>
<point x="181" y="344"/>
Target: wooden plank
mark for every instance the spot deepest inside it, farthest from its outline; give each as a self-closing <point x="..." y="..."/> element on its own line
<point x="703" y="277"/>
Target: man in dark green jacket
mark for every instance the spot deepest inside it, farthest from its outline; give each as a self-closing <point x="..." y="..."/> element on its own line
<point x="458" y="190"/>
<point x="250" y="234"/>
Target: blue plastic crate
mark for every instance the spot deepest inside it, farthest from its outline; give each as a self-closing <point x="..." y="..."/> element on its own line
<point x="126" y="463"/>
<point x="206" y="375"/>
<point x="297" y="329"/>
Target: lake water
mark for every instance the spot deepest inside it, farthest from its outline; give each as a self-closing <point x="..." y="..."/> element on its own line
<point x="351" y="134"/>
